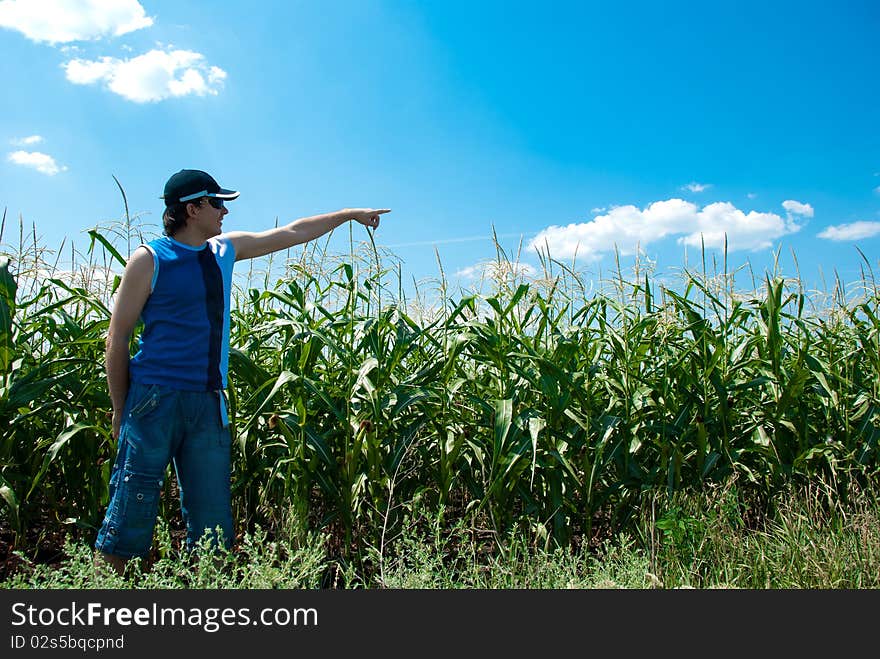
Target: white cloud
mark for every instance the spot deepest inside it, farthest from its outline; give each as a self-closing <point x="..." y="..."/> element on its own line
<point x="877" y="189"/>
<point x="797" y="208"/>
<point x="63" y="21"/>
<point x="43" y="163"/>
<point x="471" y="271"/>
<point x="696" y="187"/>
<point x="852" y="231"/>
<point x="26" y="141"/>
<point x="501" y="270"/>
<point x="628" y="227"/>
<point x="153" y="76"/>
<point x="752" y="195"/>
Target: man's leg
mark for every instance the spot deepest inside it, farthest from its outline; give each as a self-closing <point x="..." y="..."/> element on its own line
<point x="203" y="465"/>
<point x="115" y="562"/>
<point x="146" y="443"/>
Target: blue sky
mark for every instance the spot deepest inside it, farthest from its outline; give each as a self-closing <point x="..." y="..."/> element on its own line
<point x="576" y="126"/>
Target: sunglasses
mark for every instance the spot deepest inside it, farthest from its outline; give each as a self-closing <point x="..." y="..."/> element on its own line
<point x="216" y="203"/>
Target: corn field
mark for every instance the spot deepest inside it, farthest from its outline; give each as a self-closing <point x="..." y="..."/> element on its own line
<point x="538" y="404"/>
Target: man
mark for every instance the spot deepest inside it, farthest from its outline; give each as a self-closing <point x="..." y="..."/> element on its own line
<point x="168" y="400"/>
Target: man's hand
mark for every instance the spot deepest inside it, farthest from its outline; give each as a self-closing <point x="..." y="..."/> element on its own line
<point x="369" y="217"/>
<point x="117" y="424"/>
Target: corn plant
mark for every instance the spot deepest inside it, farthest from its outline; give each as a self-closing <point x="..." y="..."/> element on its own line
<point x="548" y="403"/>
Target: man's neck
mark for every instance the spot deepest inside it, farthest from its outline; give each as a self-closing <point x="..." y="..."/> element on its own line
<point x="190" y="237"/>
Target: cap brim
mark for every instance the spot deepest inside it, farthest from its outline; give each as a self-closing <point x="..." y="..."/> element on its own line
<point x="221" y="194"/>
<point x="224" y="194"/>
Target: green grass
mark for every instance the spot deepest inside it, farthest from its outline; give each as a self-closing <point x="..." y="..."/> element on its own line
<point x="705" y="542"/>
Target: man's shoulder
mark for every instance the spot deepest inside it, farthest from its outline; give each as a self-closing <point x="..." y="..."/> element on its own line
<point x="153" y="246"/>
<point x="222" y="246"/>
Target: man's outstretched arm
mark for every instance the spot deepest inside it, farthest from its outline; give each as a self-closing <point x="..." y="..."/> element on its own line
<point x="249" y="245"/>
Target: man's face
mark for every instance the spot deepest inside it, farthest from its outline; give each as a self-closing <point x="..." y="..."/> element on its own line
<point x="207" y="214"/>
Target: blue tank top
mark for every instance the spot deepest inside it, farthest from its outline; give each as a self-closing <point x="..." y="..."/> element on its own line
<point x="185" y="340"/>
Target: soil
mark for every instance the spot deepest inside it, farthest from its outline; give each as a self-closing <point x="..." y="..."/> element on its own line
<point x="40" y="545"/>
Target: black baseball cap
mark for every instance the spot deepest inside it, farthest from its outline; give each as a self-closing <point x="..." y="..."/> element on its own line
<point x="188" y="184"/>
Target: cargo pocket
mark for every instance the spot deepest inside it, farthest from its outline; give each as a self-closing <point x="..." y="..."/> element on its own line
<point x="141" y="497"/>
<point x="133" y="530"/>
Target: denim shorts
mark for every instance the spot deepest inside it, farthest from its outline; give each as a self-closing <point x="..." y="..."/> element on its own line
<point x="161" y="425"/>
